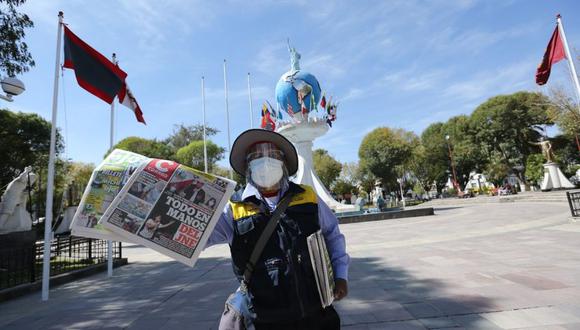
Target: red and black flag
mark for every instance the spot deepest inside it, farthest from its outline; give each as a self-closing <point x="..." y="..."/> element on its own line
<point x="94" y="72"/>
<point x="554" y="52"/>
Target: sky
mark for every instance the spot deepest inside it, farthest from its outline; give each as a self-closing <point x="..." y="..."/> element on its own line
<point x="402" y="64"/>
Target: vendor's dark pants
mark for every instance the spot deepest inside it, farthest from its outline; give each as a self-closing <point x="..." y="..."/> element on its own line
<point x="325" y="319"/>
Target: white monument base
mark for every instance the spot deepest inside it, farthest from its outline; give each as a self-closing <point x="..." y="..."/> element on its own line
<point x="554" y="178"/>
<point x="302" y="134"/>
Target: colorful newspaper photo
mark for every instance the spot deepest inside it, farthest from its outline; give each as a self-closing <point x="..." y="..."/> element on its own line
<point x="170" y="208"/>
<point x="105" y="183"/>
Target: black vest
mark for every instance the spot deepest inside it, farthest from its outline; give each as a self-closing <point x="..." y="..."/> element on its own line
<point x="283" y="283"/>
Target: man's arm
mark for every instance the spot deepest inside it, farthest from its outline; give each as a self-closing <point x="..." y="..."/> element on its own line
<point x="223" y="231"/>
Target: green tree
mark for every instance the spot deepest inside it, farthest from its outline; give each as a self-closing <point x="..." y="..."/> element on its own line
<point x="496" y="169"/>
<point x="505" y="125"/>
<point x="183" y="135"/>
<point x="25" y="141"/>
<point x="431" y="161"/>
<point x="535" y="168"/>
<point x="341" y="187"/>
<point x="467" y="154"/>
<point x="384" y="151"/>
<point x="326" y="167"/>
<point x="14" y="55"/>
<point x="192" y="155"/>
<point x="564" y="112"/>
<point x="77" y="178"/>
<point x="358" y="176"/>
<point x="145" y="147"/>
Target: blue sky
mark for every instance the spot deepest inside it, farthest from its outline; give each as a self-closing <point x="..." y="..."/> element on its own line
<point x="400" y="64"/>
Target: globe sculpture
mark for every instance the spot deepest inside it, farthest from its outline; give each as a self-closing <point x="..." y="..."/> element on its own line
<point x="298" y="94"/>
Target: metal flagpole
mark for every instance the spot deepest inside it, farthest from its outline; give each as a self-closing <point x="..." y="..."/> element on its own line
<point x="203" y="110"/>
<point x="227" y="116"/>
<point x="50" y="178"/>
<point x="111" y="143"/>
<point x="569" y="57"/>
<point x="250" y="97"/>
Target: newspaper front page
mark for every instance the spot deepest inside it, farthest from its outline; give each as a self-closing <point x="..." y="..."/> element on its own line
<point x="170" y="208"/>
<point x="105" y="183"/>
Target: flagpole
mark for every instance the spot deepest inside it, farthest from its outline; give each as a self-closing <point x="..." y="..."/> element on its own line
<point x="250" y="97"/>
<point x="227" y="115"/>
<point x="569" y="56"/>
<point x="203" y="110"/>
<point x="111" y="143"/>
<point x="50" y="178"/>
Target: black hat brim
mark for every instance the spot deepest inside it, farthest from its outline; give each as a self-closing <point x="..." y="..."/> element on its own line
<point x="252" y="136"/>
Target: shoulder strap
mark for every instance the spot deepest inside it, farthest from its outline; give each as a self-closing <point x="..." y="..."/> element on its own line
<point x="266" y="234"/>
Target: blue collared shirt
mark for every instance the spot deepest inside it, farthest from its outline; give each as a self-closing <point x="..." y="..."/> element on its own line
<point x="224" y="230"/>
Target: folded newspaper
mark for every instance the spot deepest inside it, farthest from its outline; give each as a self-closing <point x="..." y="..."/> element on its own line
<point x="322" y="267"/>
<point x="168" y="207"/>
<point x="105" y="183"/>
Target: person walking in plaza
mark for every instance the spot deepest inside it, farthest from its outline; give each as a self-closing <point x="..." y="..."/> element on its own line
<point x="282" y="284"/>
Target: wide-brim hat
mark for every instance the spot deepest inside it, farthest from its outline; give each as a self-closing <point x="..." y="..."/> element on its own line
<point x="252" y="136"/>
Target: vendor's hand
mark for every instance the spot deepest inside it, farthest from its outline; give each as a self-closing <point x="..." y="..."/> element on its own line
<point x="340" y="289"/>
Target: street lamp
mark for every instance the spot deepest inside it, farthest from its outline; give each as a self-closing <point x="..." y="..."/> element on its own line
<point x="11" y="87"/>
<point x="455" y="184"/>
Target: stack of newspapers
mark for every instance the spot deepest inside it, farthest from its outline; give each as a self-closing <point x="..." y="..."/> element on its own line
<point x="157" y="203"/>
<point x="322" y="267"/>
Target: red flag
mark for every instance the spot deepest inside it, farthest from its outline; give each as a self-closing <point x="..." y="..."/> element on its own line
<point x="554" y="53"/>
<point x="323" y="102"/>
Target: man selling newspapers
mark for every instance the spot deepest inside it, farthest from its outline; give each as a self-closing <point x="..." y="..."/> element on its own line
<point x="270" y="226"/>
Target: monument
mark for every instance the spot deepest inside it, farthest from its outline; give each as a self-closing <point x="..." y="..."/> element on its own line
<point x="553" y="176"/>
<point x="15" y="220"/>
<point x="13" y="214"/>
<point x="298" y="93"/>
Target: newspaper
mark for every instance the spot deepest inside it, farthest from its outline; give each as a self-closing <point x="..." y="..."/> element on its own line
<point x="106" y="181"/>
<point x="170" y="208"/>
<point x="322" y="266"/>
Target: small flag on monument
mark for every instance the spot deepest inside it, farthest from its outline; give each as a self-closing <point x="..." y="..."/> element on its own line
<point x="267" y="121"/>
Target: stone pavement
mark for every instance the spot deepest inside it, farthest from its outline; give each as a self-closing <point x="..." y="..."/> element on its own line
<point x="486" y="266"/>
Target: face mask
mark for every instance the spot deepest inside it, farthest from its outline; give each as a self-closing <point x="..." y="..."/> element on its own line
<point x="266" y="172"/>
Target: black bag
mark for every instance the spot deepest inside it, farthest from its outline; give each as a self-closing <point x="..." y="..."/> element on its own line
<point x="238" y="312"/>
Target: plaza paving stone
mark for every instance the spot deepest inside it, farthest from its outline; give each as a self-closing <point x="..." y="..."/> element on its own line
<point x="470" y="266"/>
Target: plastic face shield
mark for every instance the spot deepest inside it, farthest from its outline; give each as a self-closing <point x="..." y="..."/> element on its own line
<point x="264" y="149"/>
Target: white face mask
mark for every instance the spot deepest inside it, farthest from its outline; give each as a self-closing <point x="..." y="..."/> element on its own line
<point x="266" y="172"/>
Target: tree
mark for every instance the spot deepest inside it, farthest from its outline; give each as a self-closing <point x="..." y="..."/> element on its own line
<point x="357" y="176"/>
<point x="326" y="167"/>
<point x="25" y="142"/>
<point x="431" y="162"/>
<point x="192" y="155"/>
<point x="145" y="147"/>
<point x="384" y="150"/>
<point x="183" y="135"/>
<point x="565" y="113"/>
<point x="14" y="55"/>
<point x="466" y="153"/>
<point x="341" y="187"/>
<point x="504" y="126"/>
<point x="78" y="176"/>
<point x="535" y="168"/>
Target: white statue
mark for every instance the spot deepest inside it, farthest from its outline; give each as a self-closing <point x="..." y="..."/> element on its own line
<point x="13" y="213"/>
<point x="294" y="57"/>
